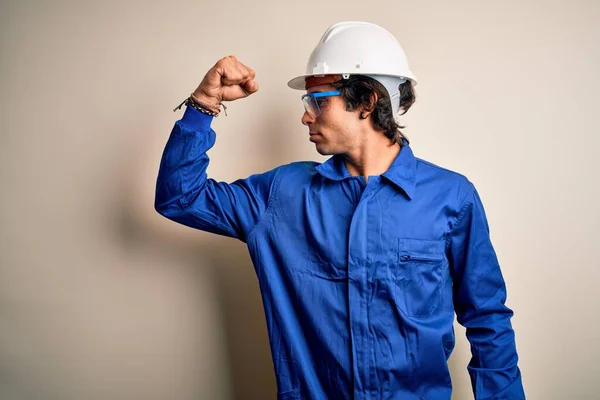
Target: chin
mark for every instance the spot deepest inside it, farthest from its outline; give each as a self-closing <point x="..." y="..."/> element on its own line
<point x="324" y="151"/>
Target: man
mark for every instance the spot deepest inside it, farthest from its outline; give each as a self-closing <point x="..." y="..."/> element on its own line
<point x="362" y="260"/>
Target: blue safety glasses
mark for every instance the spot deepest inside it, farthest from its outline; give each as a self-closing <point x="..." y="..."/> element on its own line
<point x="313" y="101"/>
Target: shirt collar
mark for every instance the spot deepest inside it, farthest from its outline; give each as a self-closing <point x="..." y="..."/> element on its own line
<point x="402" y="172"/>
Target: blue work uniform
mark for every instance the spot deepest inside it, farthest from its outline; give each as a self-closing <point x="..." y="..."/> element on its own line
<point x="360" y="281"/>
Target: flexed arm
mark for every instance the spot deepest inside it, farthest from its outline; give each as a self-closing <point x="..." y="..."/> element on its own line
<point x="184" y="193"/>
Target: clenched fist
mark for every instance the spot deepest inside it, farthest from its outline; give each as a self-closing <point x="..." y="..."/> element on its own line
<point x="228" y="80"/>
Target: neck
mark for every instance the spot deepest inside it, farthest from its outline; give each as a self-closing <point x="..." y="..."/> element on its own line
<point x="371" y="158"/>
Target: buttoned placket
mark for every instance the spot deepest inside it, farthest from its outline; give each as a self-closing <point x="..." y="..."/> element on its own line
<point x="359" y="287"/>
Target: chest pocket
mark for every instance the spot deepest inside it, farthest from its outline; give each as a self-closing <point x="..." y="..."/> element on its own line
<point x="418" y="276"/>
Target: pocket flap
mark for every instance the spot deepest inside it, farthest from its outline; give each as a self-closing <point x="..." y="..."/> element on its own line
<point x="421" y="249"/>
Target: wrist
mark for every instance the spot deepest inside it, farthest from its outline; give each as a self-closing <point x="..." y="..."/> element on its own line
<point x="204" y="100"/>
<point x="208" y="105"/>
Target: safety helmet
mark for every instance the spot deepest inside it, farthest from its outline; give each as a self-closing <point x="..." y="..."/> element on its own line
<point x="359" y="48"/>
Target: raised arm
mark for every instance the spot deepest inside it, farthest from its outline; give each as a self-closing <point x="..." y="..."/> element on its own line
<point x="184" y="193"/>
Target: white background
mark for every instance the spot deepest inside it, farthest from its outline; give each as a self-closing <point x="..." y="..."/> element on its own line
<point x="101" y="298"/>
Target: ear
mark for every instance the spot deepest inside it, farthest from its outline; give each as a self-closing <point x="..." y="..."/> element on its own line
<point x="368" y="108"/>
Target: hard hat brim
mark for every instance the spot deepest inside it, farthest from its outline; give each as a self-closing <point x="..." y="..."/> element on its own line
<point x="299" y="82"/>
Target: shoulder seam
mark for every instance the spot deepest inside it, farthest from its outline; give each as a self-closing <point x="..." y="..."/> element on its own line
<point x="463" y="210"/>
<point x="272" y="195"/>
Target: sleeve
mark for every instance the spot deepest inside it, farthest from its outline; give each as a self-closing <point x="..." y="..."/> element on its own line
<point x="479" y="297"/>
<point x="186" y="195"/>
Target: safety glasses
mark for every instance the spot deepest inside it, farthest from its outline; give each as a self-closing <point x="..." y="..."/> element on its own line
<point x="313" y="101"/>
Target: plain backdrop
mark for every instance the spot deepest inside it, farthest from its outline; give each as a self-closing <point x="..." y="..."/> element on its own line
<point x="101" y="298"/>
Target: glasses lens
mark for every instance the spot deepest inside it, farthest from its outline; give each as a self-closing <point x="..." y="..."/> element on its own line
<point x="311" y="106"/>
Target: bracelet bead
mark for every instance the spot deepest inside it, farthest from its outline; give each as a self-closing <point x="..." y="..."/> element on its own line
<point x="210" y="109"/>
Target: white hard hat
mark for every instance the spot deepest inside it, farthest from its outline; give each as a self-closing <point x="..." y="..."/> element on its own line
<point x="359" y="48"/>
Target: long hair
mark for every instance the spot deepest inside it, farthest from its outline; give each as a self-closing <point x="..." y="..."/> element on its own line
<point x="357" y="91"/>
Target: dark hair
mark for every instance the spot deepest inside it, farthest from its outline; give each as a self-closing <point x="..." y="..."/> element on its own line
<point x="358" y="91"/>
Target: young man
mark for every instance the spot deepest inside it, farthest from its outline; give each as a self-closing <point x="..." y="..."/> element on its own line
<point x="362" y="260"/>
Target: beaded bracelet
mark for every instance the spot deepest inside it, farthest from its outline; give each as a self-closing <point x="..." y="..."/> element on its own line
<point x="190" y="103"/>
<point x="205" y="105"/>
<point x="205" y="108"/>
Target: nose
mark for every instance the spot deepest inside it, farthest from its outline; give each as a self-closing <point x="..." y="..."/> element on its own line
<point x="307" y="119"/>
